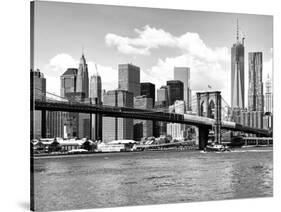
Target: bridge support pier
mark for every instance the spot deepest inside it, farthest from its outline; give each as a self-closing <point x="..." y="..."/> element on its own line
<point x="43" y="124"/>
<point x="203" y="137"/>
<point x="209" y="105"/>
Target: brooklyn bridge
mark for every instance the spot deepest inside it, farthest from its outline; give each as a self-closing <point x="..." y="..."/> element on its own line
<point x="208" y="116"/>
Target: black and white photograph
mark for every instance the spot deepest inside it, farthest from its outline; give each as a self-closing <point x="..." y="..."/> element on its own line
<point x="133" y="106"/>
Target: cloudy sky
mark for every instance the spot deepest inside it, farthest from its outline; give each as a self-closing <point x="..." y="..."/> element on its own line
<point x="156" y="40"/>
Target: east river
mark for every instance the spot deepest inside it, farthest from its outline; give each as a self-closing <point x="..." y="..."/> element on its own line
<point x="140" y="178"/>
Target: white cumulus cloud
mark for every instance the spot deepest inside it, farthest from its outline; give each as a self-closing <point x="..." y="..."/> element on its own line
<point x="149" y="38"/>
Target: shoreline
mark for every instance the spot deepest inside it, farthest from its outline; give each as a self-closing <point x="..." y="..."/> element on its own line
<point x="100" y="154"/>
<point x="97" y="154"/>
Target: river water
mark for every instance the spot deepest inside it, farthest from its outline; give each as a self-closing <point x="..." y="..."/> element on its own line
<point x="140" y="178"/>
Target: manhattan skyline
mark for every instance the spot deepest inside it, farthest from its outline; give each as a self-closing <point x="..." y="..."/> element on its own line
<point x="155" y="40"/>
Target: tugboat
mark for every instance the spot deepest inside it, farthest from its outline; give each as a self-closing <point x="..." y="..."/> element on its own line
<point x="214" y="147"/>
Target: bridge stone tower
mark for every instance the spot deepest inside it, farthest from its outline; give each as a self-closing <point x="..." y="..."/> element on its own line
<point x="209" y="105"/>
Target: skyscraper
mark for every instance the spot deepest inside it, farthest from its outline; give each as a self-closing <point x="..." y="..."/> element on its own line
<point x="176" y="90"/>
<point x="268" y="121"/>
<point x="54" y="124"/>
<point x="268" y="95"/>
<point x="39" y="84"/>
<point x="117" y="128"/>
<point x="96" y="98"/>
<point x="75" y="87"/>
<point x="143" y="128"/>
<point x="183" y="74"/>
<point x="68" y="90"/>
<point x="255" y="91"/>
<point x="38" y="92"/>
<point x="68" y="81"/>
<point x="82" y="94"/>
<point x="148" y="89"/>
<point x="237" y="72"/>
<point x="163" y="96"/>
<point x="129" y="78"/>
<point x="82" y="80"/>
<point x="96" y="88"/>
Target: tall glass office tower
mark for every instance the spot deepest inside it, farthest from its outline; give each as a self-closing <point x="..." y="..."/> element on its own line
<point x="255" y="90"/>
<point x="237" y="73"/>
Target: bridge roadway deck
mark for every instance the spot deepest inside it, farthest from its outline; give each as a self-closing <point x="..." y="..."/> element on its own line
<point x="124" y="112"/>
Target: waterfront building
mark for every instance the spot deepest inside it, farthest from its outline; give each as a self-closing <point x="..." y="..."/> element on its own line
<point x="268" y="95"/>
<point x="38" y="91"/>
<point x="143" y="128"/>
<point x="84" y="126"/>
<point x="117" y="128"/>
<point x="129" y="78"/>
<point x="183" y="74"/>
<point x="96" y="98"/>
<point x="70" y="124"/>
<point x="176" y="130"/>
<point x="237" y="72"/>
<point x="148" y="89"/>
<point x="54" y="125"/>
<point x="161" y="129"/>
<point x="255" y="91"/>
<point x="176" y="90"/>
<point x="82" y="79"/>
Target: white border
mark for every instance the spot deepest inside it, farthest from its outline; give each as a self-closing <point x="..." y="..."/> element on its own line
<point x="15" y="105"/>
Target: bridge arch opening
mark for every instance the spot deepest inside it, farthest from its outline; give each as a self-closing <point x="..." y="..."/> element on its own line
<point x="203" y="108"/>
<point x="211" y="109"/>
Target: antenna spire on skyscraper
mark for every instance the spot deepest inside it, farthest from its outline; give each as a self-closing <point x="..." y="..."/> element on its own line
<point x="237" y="32"/>
<point x="97" y="73"/>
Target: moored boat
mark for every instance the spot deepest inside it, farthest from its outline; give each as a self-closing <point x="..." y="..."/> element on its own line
<point x="216" y="148"/>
